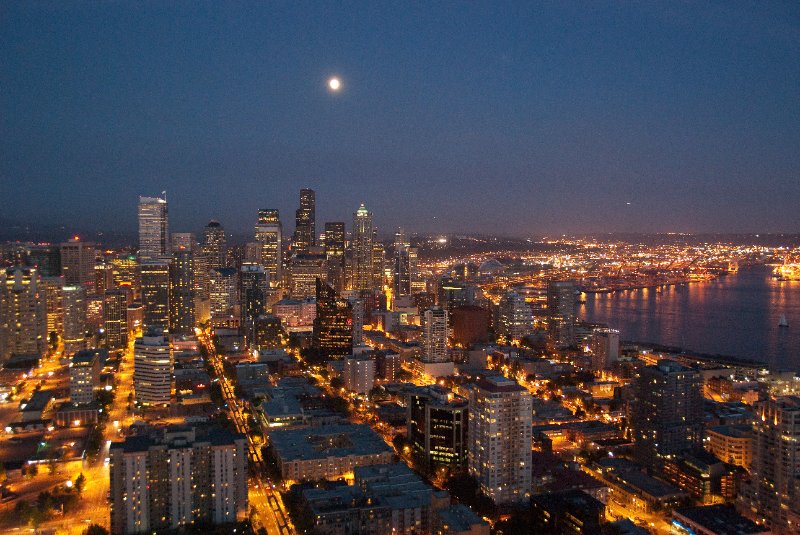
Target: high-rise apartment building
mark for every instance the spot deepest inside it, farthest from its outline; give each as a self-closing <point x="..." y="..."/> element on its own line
<point x="77" y="264"/>
<point x="605" y="348"/>
<point x="334" y="251"/>
<point x="268" y="235"/>
<point x="305" y="222"/>
<point x="772" y="496"/>
<point x="74" y="319"/>
<point x="667" y="412"/>
<point x="499" y="438"/>
<point x="436" y="422"/>
<point x="434" y="324"/>
<point x="84" y="376"/>
<point x="115" y="318"/>
<point x="23" y="313"/>
<point x="182" y="317"/>
<point x="359" y="373"/>
<point x="223" y="291"/>
<point x="155" y="293"/>
<point x="53" y="288"/>
<point x="515" y="318"/>
<point x="153" y="228"/>
<point x="333" y="325"/>
<point x="152" y="369"/>
<point x="561" y="314"/>
<point x="214" y="245"/>
<point x="171" y="478"/>
<point x="362" y="245"/>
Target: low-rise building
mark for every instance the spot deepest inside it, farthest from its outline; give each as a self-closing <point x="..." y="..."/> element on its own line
<point x="326" y="452"/>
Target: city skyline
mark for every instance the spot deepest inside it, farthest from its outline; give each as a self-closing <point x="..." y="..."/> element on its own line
<point x="527" y="113"/>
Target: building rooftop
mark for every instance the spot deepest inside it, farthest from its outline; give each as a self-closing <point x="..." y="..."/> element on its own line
<point x="459" y="518"/>
<point x="87" y="356"/>
<point x="719" y="519"/>
<point x="499" y="383"/>
<point x="322" y="442"/>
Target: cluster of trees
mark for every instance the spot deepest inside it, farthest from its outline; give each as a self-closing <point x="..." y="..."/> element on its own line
<point x="61" y="500"/>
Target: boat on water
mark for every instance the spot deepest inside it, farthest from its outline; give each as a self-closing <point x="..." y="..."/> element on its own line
<point x="783" y="323"/>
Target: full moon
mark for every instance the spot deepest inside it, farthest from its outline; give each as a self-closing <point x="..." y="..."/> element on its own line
<point x="334" y="84"/>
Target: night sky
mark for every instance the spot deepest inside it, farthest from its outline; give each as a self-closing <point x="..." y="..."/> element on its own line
<point x="490" y="117"/>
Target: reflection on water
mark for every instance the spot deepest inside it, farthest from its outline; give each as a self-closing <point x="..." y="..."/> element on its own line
<point x="735" y="315"/>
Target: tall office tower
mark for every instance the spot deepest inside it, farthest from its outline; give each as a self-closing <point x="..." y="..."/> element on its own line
<point x="434" y="324"/>
<point x="46" y="259"/>
<point x="175" y="477"/>
<point x="453" y="294"/>
<point x="499" y="438"/>
<point x="182" y="318"/>
<point x="515" y="318"/>
<point x="772" y="495"/>
<point x="333" y="326"/>
<point x="23" y="313"/>
<point x="103" y="275"/>
<point x="77" y="264"/>
<point x="304" y="270"/>
<point x="401" y="283"/>
<point x="667" y="412"/>
<point x="416" y="282"/>
<point x="334" y="250"/>
<point x="214" y="248"/>
<point x="436" y="423"/>
<point x="125" y="274"/>
<point x="153" y="228"/>
<point x="155" y="293"/>
<point x="378" y="261"/>
<point x="84" y="376"/>
<point x="152" y="369"/>
<point x="305" y="222"/>
<point x="269" y="235"/>
<point x="53" y="288"/>
<point x="74" y="319"/>
<point x="361" y="244"/>
<point x="223" y="294"/>
<point x="115" y="318"/>
<point x="561" y="312"/>
<point x="253" y="290"/>
<point x="605" y="348"/>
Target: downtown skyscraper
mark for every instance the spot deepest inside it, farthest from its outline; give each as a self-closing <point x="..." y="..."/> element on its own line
<point x="363" y="232"/>
<point x="269" y="236"/>
<point x="153" y="228"/>
<point x="23" y="313"/>
<point x="214" y="245"/>
<point x="305" y="222"/>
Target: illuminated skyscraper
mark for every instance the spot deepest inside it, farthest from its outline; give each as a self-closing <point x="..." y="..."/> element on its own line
<point x="772" y="496"/>
<point x="74" y="319"/>
<point x="77" y="264"/>
<point x="152" y="369"/>
<point x="155" y="294"/>
<point x="605" y="348"/>
<point x="125" y="274"/>
<point x="401" y="265"/>
<point x="305" y="222"/>
<point x="23" y="313"/>
<point x="515" y="319"/>
<point x="434" y="325"/>
<point x="667" y="412"/>
<point x="304" y="270"/>
<point x="214" y="245"/>
<point x="363" y="274"/>
<point x="334" y="250"/>
<point x="223" y="290"/>
<point x="333" y="326"/>
<point x="115" y="321"/>
<point x="436" y="421"/>
<point x="153" y="228"/>
<point x="269" y="236"/>
<point x="499" y="437"/>
<point x="561" y="313"/>
<point x="182" y="319"/>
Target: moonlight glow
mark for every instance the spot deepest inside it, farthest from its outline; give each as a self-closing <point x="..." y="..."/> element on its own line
<point x="334" y="84"/>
